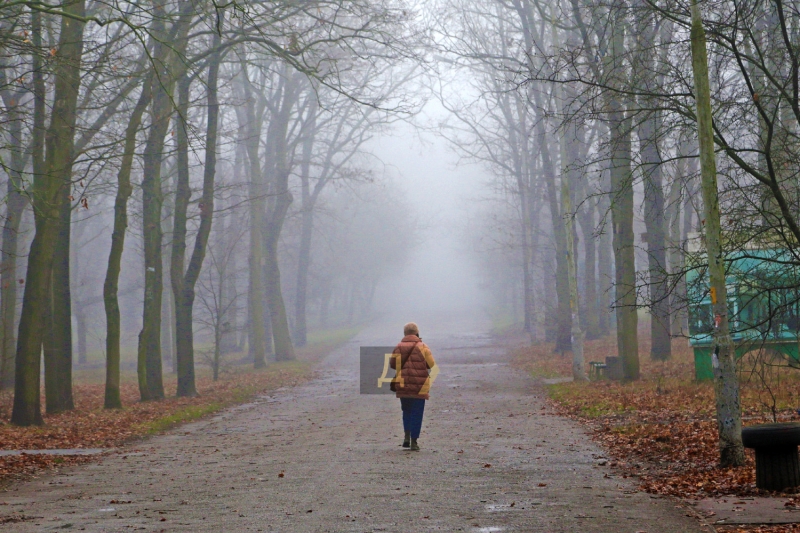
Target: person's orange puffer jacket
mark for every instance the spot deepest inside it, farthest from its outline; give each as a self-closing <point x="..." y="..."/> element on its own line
<point x="412" y="380"/>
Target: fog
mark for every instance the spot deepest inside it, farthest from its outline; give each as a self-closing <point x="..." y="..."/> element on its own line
<point x="440" y="278"/>
<point x="194" y="189"/>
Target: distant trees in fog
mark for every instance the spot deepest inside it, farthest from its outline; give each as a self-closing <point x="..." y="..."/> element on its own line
<point x="599" y="96"/>
<point x="194" y="135"/>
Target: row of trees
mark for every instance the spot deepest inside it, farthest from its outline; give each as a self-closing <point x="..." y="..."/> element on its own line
<point x="210" y="120"/>
<point x="588" y="115"/>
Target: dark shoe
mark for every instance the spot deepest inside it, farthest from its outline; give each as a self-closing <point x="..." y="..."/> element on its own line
<point x="407" y="440"/>
<point x="414" y="445"/>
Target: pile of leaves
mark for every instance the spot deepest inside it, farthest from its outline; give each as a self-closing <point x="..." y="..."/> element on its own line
<point x="91" y="426"/>
<point x="662" y="428"/>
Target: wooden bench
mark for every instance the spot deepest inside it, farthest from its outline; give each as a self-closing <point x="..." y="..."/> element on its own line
<point x="597" y="370"/>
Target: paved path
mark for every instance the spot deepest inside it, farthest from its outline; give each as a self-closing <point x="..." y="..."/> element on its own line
<point x="322" y="458"/>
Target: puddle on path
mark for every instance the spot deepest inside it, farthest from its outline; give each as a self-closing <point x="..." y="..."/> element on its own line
<point x="499" y="507"/>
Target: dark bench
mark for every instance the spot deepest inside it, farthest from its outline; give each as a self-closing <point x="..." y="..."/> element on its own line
<point x="777" y="463"/>
<point x="596" y="369"/>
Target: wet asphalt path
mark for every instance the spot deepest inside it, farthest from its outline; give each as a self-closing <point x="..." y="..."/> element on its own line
<point x="322" y="458"/>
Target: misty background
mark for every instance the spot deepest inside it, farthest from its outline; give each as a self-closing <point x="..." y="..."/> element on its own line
<point x="196" y="186"/>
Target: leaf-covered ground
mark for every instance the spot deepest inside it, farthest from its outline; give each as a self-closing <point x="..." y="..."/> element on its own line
<point x="661" y="428"/>
<point x="91" y="426"/>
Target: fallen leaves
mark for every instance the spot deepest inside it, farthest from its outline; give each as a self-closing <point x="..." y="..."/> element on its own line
<point x="91" y="426"/>
<point x="14" y="518"/>
<point x="662" y="428"/>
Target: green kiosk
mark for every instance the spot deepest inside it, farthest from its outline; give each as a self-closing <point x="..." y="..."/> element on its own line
<point x="763" y="287"/>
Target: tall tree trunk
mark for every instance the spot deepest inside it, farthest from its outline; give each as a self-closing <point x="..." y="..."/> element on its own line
<point x="8" y="280"/>
<point x="252" y="120"/>
<point x="605" y="268"/>
<point x="521" y="162"/>
<point x="592" y="310"/>
<point x="281" y="337"/>
<point x="689" y="217"/>
<point x="151" y="385"/>
<point x="48" y="188"/>
<point x="578" y="372"/>
<point x="15" y="205"/>
<point x="622" y="206"/>
<point x="527" y="263"/>
<point x="111" y="285"/>
<point x="167" y="50"/>
<point x="535" y="202"/>
<point x="223" y="254"/>
<point x="275" y="217"/>
<point x="563" y="314"/>
<point x="306" y="231"/>
<point x="624" y="251"/>
<point x="16" y="202"/>
<point x="167" y="302"/>
<point x="660" y="349"/>
<point x="570" y="160"/>
<point x="726" y="384"/>
<point x="654" y="218"/>
<point x="183" y="285"/>
<point x="563" y="325"/>
<point x="675" y="255"/>
<point x="230" y="341"/>
<point x="58" y="355"/>
<point x="303" y="266"/>
<point x="231" y="338"/>
<point x="677" y="260"/>
<point x="183" y="194"/>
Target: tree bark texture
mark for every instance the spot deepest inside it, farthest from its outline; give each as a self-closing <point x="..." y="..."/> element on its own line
<point x="183" y="194"/>
<point x="726" y="384"/>
<point x="16" y="202"/>
<point x="111" y="284"/>
<point x="183" y="284"/>
<point x="168" y="48"/>
<point x="563" y="315"/>
<point x="58" y="351"/>
<point x="654" y="217"/>
<point x="578" y="372"/>
<point x="592" y="309"/>
<point x="624" y="251"/>
<point x="622" y="208"/>
<point x="274" y="219"/>
<point x="47" y="189"/>
<point x="570" y="161"/>
<point x="251" y="119"/>
<point x="306" y="232"/>
<point x="149" y="351"/>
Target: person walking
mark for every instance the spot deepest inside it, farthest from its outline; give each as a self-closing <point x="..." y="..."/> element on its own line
<point x="415" y="371"/>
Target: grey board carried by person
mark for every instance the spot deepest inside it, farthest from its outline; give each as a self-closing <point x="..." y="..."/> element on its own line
<point x="415" y="371"/>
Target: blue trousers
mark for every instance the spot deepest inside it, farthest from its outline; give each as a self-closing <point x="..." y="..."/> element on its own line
<point x="413" y="408"/>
